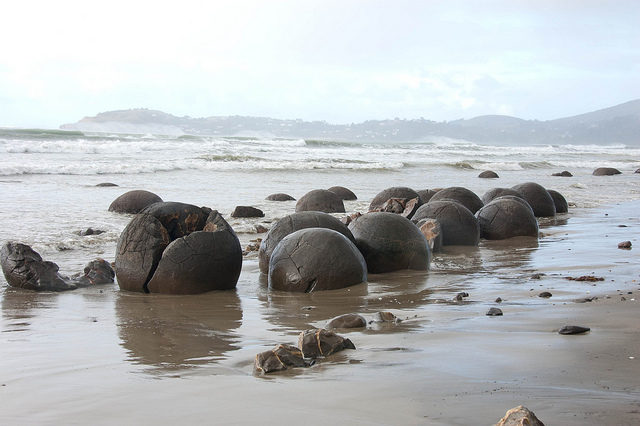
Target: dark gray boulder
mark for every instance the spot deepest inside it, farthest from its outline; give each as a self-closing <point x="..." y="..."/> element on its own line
<point x="343" y="193"/>
<point x="280" y="197"/>
<point x="347" y="321"/>
<point x="488" y="174"/>
<point x="24" y="268"/>
<point x="105" y="184"/>
<point x="198" y="253"/>
<point x="96" y="272"/>
<point x="459" y="226"/>
<point x="393" y="192"/>
<point x="506" y="218"/>
<point x="247" y="211"/>
<point x="390" y="242"/>
<point x="538" y="198"/>
<point x="295" y="222"/>
<point x="320" y="200"/>
<point x="461" y="195"/>
<point x="564" y="173"/>
<point x="559" y="201"/>
<point x="494" y="193"/>
<point x="316" y="259"/>
<point x="426" y="194"/>
<point x="133" y="201"/>
<point x="606" y="171"/>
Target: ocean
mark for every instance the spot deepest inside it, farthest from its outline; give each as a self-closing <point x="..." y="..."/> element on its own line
<point x="100" y="355"/>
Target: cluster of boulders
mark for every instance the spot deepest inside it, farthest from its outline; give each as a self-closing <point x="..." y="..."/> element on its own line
<point x="23" y="267"/>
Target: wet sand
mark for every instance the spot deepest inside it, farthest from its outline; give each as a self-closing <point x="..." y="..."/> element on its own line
<point x="102" y="356"/>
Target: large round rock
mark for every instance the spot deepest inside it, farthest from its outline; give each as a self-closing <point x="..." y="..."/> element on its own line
<point x="179" y="219"/>
<point x="505" y="218"/>
<point x="320" y="200"/>
<point x="494" y="193"/>
<point x="559" y="201"/>
<point x="459" y="226"/>
<point x="426" y="194"/>
<point x="344" y="193"/>
<point x="393" y="192"/>
<point x="390" y="242"/>
<point x="295" y="222"/>
<point x="133" y="201"/>
<point x="316" y="259"/>
<point x="538" y="198"/>
<point x="462" y="195"/>
<point x="606" y="171"/>
<point x="280" y="197"/>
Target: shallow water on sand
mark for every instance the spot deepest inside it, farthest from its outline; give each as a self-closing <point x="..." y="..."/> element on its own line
<point x="99" y="355"/>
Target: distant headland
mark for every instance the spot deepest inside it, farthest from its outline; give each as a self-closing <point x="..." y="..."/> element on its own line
<point x="618" y="124"/>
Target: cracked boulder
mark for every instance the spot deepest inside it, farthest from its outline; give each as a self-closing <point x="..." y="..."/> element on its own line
<point x="315" y="259"/>
<point x="320" y="200"/>
<point x="459" y="226"/>
<point x="317" y="343"/>
<point x="401" y="192"/>
<point x="390" y="242"/>
<point x="295" y="222"/>
<point x="282" y="357"/>
<point x="461" y="195"/>
<point x="24" y="268"/>
<point x="178" y="248"/>
<point x="507" y="217"/>
<point x="96" y="272"/>
<point x="133" y="201"/>
<point x="538" y="198"/>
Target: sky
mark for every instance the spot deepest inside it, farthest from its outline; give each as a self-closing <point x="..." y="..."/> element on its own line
<point x="339" y="61"/>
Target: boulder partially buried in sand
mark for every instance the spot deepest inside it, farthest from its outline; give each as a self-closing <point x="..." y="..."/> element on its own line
<point x="426" y="194"/>
<point x="24" y="268"/>
<point x="247" y="211"/>
<point x="133" y="201"/>
<point x="519" y="416"/>
<point x="315" y="259"/>
<point x="295" y="222"/>
<point x="318" y="343"/>
<point x="390" y="242"/>
<point x="344" y="193"/>
<point x="494" y="193"/>
<point x="506" y="218"/>
<point x="320" y="200"/>
<point x="347" y="321"/>
<point x="606" y="171"/>
<point x="559" y="201"/>
<point x="178" y="248"/>
<point x="280" y="197"/>
<point x="488" y="174"/>
<point x="538" y="198"/>
<point x="96" y="272"/>
<point x="393" y="192"/>
<point x="459" y="226"/>
<point x="462" y="195"/>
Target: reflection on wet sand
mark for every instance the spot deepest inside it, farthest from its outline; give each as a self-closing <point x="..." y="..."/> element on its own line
<point x="18" y="306"/>
<point x="176" y="332"/>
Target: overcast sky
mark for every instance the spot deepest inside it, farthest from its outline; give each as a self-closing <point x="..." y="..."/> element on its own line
<point x="339" y="61"/>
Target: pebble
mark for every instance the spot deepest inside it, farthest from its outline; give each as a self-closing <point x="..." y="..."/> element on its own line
<point x="545" y="294"/>
<point x="624" y="245"/>
<point x="498" y="299"/>
<point x="573" y="329"/>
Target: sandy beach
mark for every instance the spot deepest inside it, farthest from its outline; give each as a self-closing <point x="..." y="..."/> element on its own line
<point x="103" y="356"/>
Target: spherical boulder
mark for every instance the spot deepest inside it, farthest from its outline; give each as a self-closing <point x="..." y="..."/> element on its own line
<point x="462" y="195"/>
<point x="564" y="173"/>
<point x="320" y="200"/>
<point x="459" y="226"/>
<point x="133" y="201"/>
<point x="344" y="193"/>
<point x="505" y="218"/>
<point x="426" y="194"/>
<point x="606" y="171"/>
<point x="247" y="211"/>
<point x="315" y="259"/>
<point x="295" y="222"/>
<point x="538" y="198"/>
<point x="178" y="248"/>
<point x="488" y="174"/>
<point x="280" y="197"/>
<point x="390" y="242"/>
<point x="559" y="201"/>
<point x="494" y="193"/>
<point x="393" y="192"/>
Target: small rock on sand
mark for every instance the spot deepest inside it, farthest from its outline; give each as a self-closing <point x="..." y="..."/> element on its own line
<point x="545" y="294"/>
<point x="519" y="416"/>
<point x="624" y="245"/>
<point x="494" y="312"/>
<point x="573" y="329"/>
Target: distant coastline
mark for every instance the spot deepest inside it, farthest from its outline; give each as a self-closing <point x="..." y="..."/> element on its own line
<point x="618" y="124"/>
